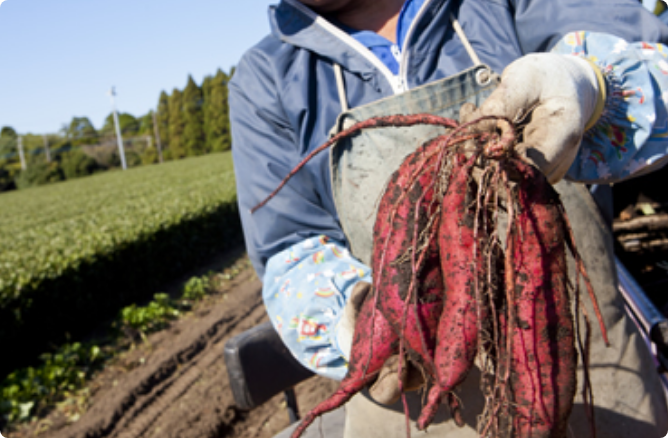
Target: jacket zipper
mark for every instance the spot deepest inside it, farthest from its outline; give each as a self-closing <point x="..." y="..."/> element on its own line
<point x="403" y="65"/>
<point x="399" y="83"/>
<point x="359" y="47"/>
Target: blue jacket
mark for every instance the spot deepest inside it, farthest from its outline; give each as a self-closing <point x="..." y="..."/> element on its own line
<point x="283" y="97"/>
<point x="284" y="101"/>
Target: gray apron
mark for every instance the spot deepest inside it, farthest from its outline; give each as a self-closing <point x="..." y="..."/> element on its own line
<point x="361" y="165"/>
<point x="628" y="396"/>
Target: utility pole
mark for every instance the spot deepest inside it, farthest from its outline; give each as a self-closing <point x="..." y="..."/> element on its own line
<point x="47" y="151"/>
<point x="157" y="137"/>
<point x="121" y="151"/>
<point x="21" y="156"/>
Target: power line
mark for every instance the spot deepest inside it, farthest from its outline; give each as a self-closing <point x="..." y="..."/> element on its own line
<point x="67" y="148"/>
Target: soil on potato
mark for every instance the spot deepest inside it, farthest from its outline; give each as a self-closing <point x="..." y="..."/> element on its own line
<point x="176" y="384"/>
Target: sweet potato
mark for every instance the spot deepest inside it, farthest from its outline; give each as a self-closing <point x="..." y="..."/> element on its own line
<point x="390" y="314"/>
<point x="374" y="342"/>
<point x="457" y="336"/>
<point x="409" y="280"/>
<point x="542" y="381"/>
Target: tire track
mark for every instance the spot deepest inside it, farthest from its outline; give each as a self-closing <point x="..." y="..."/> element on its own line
<point x="130" y="409"/>
<point x="178" y="386"/>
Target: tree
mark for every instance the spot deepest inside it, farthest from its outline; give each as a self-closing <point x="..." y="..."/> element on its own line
<point x="8" y="138"/>
<point x="146" y="124"/>
<point x="216" y="114"/>
<point x="163" y="118"/>
<point x="39" y="173"/>
<point x="81" y="128"/>
<point x="207" y="85"/>
<point x="193" y="125"/>
<point x="75" y="164"/>
<point x="132" y="158"/>
<point x="6" y="179"/>
<point x="8" y="132"/>
<point x="149" y="156"/>
<point x="176" y="149"/>
<point x="129" y="125"/>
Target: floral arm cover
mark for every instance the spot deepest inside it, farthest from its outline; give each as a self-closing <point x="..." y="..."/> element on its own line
<point x="305" y="290"/>
<point x="631" y="137"/>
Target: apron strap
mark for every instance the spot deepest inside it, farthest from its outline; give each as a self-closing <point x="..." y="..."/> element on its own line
<point x="341" y="87"/>
<point x="465" y="41"/>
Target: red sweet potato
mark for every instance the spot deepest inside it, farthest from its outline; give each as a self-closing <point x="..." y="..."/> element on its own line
<point x="387" y="316"/>
<point x="457" y="336"/>
<point x="374" y="342"/>
<point x="542" y="379"/>
<point x="410" y="284"/>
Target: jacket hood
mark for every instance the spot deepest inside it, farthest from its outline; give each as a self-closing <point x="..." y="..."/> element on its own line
<point x="296" y="24"/>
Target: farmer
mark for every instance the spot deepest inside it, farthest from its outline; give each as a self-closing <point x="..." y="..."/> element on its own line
<point x="592" y="74"/>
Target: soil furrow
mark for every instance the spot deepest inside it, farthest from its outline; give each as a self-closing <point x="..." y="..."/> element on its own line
<point x="176" y="384"/>
<point x="140" y="393"/>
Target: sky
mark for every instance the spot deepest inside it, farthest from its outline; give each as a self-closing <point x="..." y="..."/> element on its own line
<point x="59" y="58"/>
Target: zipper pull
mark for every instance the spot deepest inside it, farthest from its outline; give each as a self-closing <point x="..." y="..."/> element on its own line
<point x="399" y="84"/>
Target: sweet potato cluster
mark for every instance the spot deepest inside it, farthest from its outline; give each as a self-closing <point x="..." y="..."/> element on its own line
<point x="447" y="292"/>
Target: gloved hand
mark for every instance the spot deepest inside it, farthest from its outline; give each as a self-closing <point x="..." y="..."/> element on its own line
<point x="565" y="95"/>
<point x="385" y="389"/>
<point x="345" y="329"/>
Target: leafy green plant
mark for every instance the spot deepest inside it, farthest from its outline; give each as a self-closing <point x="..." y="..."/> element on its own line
<point x="142" y="320"/>
<point x="196" y="288"/>
<point x="26" y="390"/>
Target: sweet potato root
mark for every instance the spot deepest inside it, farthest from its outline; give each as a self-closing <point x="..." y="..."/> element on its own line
<point x="457" y="336"/>
<point x="544" y="360"/>
<point x="411" y="287"/>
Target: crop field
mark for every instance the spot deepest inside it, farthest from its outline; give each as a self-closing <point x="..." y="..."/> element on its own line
<point x="75" y="251"/>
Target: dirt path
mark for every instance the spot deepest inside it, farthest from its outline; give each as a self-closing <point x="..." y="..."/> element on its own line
<point x="176" y="385"/>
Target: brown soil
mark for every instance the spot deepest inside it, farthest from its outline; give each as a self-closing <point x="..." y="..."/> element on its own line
<point x="176" y="384"/>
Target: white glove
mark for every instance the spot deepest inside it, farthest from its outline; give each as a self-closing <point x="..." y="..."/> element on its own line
<point x="566" y="94"/>
<point x="345" y="329"/>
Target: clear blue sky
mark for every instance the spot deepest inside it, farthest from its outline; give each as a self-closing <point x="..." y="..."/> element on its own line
<point x="58" y="58"/>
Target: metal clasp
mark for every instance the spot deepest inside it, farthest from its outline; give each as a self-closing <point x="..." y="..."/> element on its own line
<point x="483" y="77"/>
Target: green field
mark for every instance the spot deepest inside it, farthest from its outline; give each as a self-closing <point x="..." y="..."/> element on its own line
<point x="79" y="249"/>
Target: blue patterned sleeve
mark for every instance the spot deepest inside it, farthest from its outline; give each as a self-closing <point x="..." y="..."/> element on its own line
<point x="631" y="137"/>
<point x="305" y="290"/>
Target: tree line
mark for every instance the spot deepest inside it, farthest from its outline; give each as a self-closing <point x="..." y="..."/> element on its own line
<point x="190" y="122"/>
